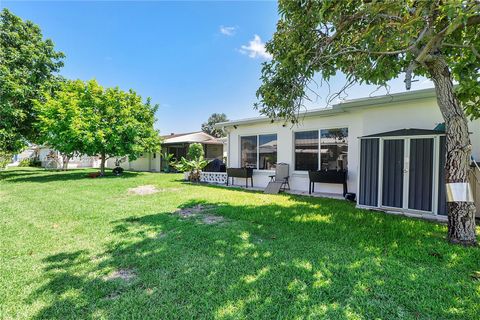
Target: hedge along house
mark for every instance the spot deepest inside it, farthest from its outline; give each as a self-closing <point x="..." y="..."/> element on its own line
<point x="176" y="144"/>
<point x="391" y="146"/>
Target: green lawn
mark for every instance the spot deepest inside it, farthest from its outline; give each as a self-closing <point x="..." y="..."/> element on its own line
<point x="64" y="238"/>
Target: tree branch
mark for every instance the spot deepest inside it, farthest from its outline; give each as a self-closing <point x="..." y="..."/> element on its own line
<point x="408" y="74"/>
<point x="473" y="20"/>
<point x="475" y="52"/>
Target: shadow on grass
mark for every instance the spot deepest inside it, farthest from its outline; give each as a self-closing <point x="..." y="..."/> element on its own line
<point x="223" y="186"/>
<point x="45" y="176"/>
<point x="7" y="174"/>
<point x="317" y="258"/>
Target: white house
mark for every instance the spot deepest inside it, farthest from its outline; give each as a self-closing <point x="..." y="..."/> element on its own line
<point x="399" y="135"/>
<point x="51" y="158"/>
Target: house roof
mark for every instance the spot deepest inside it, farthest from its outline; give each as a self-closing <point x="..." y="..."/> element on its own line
<point x="190" y="137"/>
<point x="174" y="135"/>
<point x="406" y="133"/>
<point x="344" y="106"/>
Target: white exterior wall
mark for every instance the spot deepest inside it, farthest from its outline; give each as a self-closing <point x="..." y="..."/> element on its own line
<point x="74" y="163"/>
<point x="475" y="137"/>
<point x="144" y="163"/>
<point x="421" y="114"/>
<point x="155" y="163"/>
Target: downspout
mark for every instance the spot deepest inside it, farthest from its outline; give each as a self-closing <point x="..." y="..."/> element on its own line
<point x="228" y="148"/>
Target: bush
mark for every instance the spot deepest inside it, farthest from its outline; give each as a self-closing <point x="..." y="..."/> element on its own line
<point x="168" y="161"/>
<point x="194" y="167"/>
<point x="30" y="162"/>
<point x="5" y="158"/>
<point x="24" y="163"/>
<point x="35" y="163"/>
<point x="195" y="151"/>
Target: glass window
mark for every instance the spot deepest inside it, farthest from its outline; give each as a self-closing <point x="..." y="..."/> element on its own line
<point x="334" y="149"/>
<point x="248" y="151"/>
<point x="267" y="150"/>
<point x="306" y="150"/>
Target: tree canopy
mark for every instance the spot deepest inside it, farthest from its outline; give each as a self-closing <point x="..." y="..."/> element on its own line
<point x="60" y="121"/>
<point x="372" y="42"/>
<point x="195" y="151"/>
<point x="209" y="126"/>
<point x="88" y="119"/>
<point x="28" y="66"/>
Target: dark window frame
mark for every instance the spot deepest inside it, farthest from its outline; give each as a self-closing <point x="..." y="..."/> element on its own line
<point x="319" y="146"/>
<point x="257" y="163"/>
<point x="317" y="154"/>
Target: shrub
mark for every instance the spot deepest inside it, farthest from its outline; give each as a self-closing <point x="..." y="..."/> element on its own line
<point x="195" y="151"/>
<point x="30" y="162"/>
<point x="193" y="166"/>
<point x="34" y="162"/>
<point x="5" y="158"/>
<point x="180" y="165"/>
<point x="168" y="161"/>
<point x="24" y="163"/>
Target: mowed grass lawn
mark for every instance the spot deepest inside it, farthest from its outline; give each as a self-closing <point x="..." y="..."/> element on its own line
<point x="73" y="247"/>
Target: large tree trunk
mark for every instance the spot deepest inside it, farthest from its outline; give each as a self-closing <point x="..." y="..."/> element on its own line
<point x="461" y="214"/>
<point x="102" y="164"/>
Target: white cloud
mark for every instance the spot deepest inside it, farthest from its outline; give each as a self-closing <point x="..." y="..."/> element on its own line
<point x="228" y="31"/>
<point x="255" y="48"/>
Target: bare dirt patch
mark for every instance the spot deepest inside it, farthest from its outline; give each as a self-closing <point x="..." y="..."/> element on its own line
<point x="126" y="275"/>
<point x="143" y="190"/>
<point x="211" y="219"/>
<point x="193" y="211"/>
<point x="202" y="212"/>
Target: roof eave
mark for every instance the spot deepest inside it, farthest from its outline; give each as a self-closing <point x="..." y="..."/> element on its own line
<point x="310" y="113"/>
<point x="344" y="106"/>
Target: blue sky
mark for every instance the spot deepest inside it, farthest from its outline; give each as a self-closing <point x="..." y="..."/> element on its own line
<point x="192" y="58"/>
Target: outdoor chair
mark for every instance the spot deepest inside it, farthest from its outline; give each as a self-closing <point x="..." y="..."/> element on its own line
<point x="279" y="181"/>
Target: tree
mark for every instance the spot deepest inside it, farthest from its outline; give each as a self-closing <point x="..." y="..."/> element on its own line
<point x="209" y="126"/>
<point x="28" y="64"/>
<point x="116" y="123"/>
<point x="60" y="119"/>
<point x="195" y="151"/>
<point x="373" y="42"/>
<point x="194" y="163"/>
<point x="167" y="160"/>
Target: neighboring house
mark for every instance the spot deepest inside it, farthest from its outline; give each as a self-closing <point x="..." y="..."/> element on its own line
<point x="176" y="144"/>
<point x="52" y="159"/>
<point x="388" y="144"/>
<point x="148" y="161"/>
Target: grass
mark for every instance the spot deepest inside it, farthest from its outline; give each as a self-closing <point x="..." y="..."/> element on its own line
<point x="64" y="237"/>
